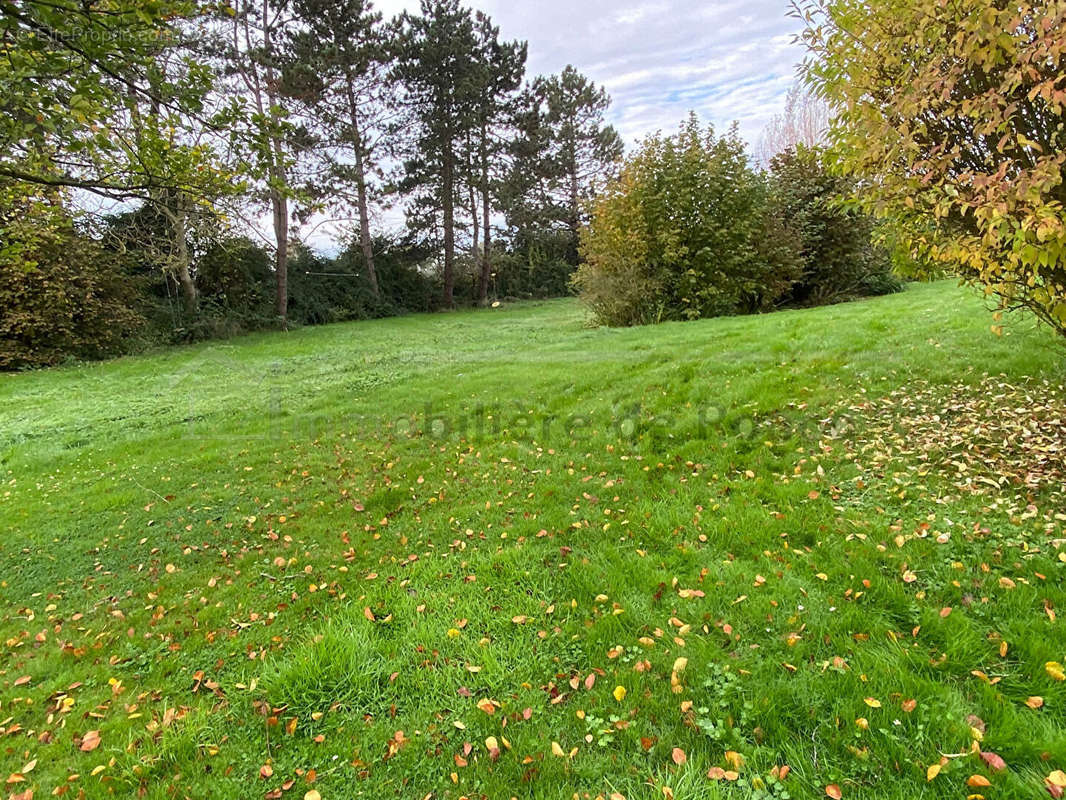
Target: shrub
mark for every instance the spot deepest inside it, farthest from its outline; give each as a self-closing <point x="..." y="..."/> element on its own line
<point x="682" y="234"/>
<point x="954" y="116"/>
<point x="839" y="255"/>
<point x="61" y="294"/>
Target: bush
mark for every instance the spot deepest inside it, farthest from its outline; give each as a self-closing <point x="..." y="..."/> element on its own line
<point x="954" y="116"/>
<point x="683" y="233"/>
<point x="535" y="264"/>
<point x="61" y="294"/>
<point x="836" y="239"/>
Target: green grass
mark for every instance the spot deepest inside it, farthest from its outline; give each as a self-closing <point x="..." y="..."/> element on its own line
<point x="287" y="548"/>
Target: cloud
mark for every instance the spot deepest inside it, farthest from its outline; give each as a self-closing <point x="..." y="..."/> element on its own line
<point x="730" y="60"/>
<point x="727" y="60"/>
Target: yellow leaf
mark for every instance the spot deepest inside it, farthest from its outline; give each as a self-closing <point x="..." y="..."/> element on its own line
<point x="557" y="750"/>
<point x="1057" y="778"/>
<point x="312" y="794"/>
<point x="872" y="702"/>
<point x="619" y="693"/>
<point x="932" y="772"/>
<point x="1054" y="670"/>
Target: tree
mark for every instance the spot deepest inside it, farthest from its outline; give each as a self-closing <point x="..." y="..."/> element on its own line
<point x="581" y="150"/>
<point x="953" y="116"/>
<point x="682" y="234"/>
<point x="839" y="256"/>
<point x="500" y="67"/>
<point x="338" y="63"/>
<point x="438" y="66"/>
<point x="804" y="121"/>
<point x="69" y="74"/>
<point x="252" y="55"/>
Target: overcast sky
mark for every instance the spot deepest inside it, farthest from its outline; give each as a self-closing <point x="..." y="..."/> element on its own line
<point x="659" y="59"/>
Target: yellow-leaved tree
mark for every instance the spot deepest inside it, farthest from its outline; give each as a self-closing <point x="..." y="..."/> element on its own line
<point x="953" y="116"/>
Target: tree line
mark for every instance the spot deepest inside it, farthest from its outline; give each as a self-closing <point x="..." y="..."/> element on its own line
<point x="188" y="120"/>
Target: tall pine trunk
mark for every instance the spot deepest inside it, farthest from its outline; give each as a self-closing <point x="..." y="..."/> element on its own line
<point x="486" y="255"/>
<point x="575" y="202"/>
<point x="448" y="207"/>
<point x="360" y="188"/>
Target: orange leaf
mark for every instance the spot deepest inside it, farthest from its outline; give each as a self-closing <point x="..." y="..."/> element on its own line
<point x="678" y="756"/>
<point x="978" y="781"/>
<point x="90" y="741"/>
<point x="832" y="790"/>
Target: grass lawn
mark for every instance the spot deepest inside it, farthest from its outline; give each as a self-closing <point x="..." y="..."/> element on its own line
<point x="500" y="554"/>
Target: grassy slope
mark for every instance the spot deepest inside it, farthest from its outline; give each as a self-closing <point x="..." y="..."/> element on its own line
<point x="481" y="486"/>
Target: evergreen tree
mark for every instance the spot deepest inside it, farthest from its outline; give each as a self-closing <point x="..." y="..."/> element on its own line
<point x="564" y="152"/>
<point x="337" y="68"/>
<point x="501" y="66"/>
<point x="438" y="66"/>
<point x="586" y="151"/>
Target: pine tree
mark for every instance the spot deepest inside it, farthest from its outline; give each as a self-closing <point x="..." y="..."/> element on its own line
<point x="338" y="69"/>
<point x="563" y="153"/>
<point x="501" y="66"/>
<point x="438" y="66"/>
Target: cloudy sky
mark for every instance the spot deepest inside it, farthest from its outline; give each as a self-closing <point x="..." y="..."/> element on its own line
<point x="726" y="59"/>
<point x="659" y="59"/>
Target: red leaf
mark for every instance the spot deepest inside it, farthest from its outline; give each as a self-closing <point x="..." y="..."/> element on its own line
<point x="993" y="760"/>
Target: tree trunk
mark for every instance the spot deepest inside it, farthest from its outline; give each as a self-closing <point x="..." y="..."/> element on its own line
<point x="280" y="206"/>
<point x="180" y="257"/>
<point x="279" y="201"/>
<point x="360" y="187"/>
<point x="472" y="198"/>
<point x="448" y="207"/>
<point x="486" y="210"/>
<point x="575" y="198"/>
<point x="474" y="218"/>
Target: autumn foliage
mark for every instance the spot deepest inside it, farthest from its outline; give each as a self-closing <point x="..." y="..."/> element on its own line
<point x="953" y="115"/>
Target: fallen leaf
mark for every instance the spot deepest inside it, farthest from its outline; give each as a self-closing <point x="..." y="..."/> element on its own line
<point x="677" y="755"/>
<point x="993" y="760"/>
<point x="619" y="693"/>
<point x="978" y="781"/>
<point x="90" y="741"/>
<point x="832" y="790"/>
